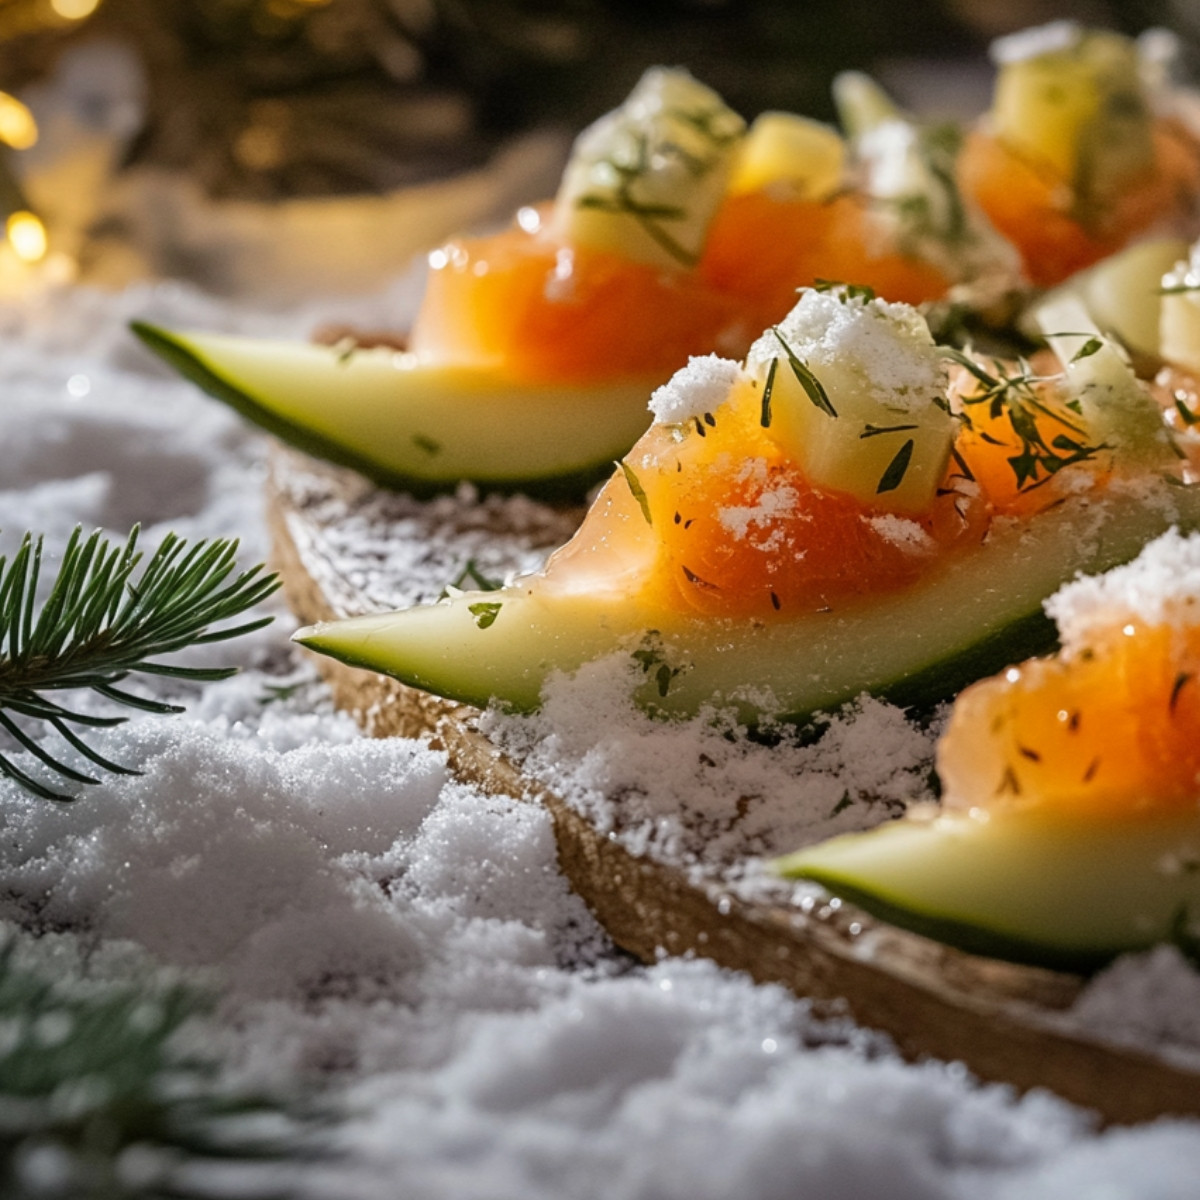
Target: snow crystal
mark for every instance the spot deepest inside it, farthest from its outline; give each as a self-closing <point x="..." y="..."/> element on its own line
<point x="700" y="387"/>
<point x="889" y="344"/>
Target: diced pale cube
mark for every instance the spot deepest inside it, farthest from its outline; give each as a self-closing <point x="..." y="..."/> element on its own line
<point x="645" y="181"/>
<point x="788" y="150"/>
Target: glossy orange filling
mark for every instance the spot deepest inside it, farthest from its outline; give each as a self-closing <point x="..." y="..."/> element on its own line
<point x="764" y="247"/>
<point x="1112" y="728"/>
<point x="1023" y="451"/>
<point x="1039" y="212"/>
<point x="536" y="310"/>
<point x="741" y="532"/>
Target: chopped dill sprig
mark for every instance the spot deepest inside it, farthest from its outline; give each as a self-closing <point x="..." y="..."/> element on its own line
<point x="629" y="174"/>
<point x="813" y="388"/>
<point x="768" y="392"/>
<point x="635" y="485"/>
<point x="845" y="291"/>
<point x="893" y="477"/>
<point x="1015" y="397"/>
<point x="485" y="612"/>
<point x="471" y="574"/>
<point x="870" y="431"/>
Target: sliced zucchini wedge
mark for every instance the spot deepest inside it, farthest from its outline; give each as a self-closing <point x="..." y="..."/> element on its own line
<point x="978" y="611"/>
<point x="1026" y="885"/>
<point x="412" y="426"/>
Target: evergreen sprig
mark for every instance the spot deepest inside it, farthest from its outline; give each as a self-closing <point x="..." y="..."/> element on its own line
<point x="98" y="624"/>
<point x="99" y="1098"/>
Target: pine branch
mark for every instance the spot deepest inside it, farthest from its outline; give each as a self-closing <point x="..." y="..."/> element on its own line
<point x="99" y="624"/>
<point x="99" y="1101"/>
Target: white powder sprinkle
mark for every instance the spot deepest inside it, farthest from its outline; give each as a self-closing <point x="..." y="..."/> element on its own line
<point x="773" y="504"/>
<point x="1161" y="585"/>
<point x="700" y="387"/>
<point x="1033" y="43"/>
<point x="906" y="534"/>
<point x="889" y="344"/>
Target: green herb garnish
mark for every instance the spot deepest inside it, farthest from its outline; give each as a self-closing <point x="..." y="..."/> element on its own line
<point x="649" y="656"/>
<point x="1015" y="397"/>
<point x="893" y="477"/>
<point x="635" y="485"/>
<point x="768" y="389"/>
<point x="845" y="291"/>
<point x="485" y="612"/>
<point x="629" y="175"/>
<point x="812" y="386"/>
<point x="870" y="431"/>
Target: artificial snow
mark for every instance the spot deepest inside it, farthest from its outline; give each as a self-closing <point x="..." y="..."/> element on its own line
<point x="700" y="387"/>
<point x="403" y="947"/>
<point x="887" y="344"/>
<point x="1160" y="586"/>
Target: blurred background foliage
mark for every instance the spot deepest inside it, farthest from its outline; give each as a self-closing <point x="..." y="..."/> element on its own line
<point x="267" y="98"/>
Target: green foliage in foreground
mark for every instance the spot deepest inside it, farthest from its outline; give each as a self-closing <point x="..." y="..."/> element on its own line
<point x="99" y="1098"/>
<point x="98" y="625"/>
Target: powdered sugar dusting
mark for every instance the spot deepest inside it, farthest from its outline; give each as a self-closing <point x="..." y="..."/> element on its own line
<point x="776" y="501"/>
<point x="1161" y="585"/>
<point x="902" y="532"/>
<point x="700" y="387"/>
<point x="889" y="344"/>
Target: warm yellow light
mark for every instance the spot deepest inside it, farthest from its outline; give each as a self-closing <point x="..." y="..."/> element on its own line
<point x="17" y="126"/>
<point x="74" y="10"/>
<point x="27" y="236"/>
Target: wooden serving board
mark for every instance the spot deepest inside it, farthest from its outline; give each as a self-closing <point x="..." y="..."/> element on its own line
<point x="1004" y="1021"/>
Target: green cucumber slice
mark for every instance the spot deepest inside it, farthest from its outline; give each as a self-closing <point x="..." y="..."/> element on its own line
<point x="1027" y="885"/>
<point x="975" y="613"/>
<point x="413" y="426"/>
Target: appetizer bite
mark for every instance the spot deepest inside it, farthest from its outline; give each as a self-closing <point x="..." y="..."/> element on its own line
<point x="1069" y="829"/>
<point x="829" y="518"/>
<point x="1077" y="157"/>
<point x="676" y="231"/>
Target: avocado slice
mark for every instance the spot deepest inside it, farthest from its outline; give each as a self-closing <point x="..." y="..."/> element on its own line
<point x="976" y="612"/>
<point x="413" y="426"/>
<point x="1030" y="885"/>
